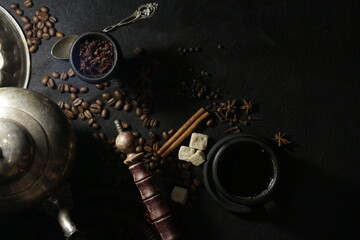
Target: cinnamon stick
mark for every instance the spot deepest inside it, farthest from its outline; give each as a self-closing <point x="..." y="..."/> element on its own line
<point x="179" y="132"/>
<point x="185" y="134"/>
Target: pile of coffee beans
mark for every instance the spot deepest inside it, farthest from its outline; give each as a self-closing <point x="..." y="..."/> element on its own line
<point x="41" y="26"/>
<point x="96" y="56"/>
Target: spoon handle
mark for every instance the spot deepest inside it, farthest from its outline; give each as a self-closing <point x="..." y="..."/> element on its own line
<point x="144" y="11"/>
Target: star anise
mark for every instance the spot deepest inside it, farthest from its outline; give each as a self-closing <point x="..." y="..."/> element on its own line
<point x="228" y="107"/>
<point x="247" y="106"/>
<point x="143" y="76"/>
<point x="279" y="138"/>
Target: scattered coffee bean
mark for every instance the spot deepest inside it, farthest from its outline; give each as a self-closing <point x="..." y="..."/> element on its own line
<point x="44" y="16"/>
<point x="165" y="136"/>
<point x="67" y="87"/>
<point x="84" y="89"/>
<point x="136" y="134"/>
<point x="52" y="19"/>
<point x="61" y="104"/>
<point x="52" y="32"/>
<point x="19" y="12"/>
<point x="75" y="110"/>
<point x="46" y="36"/>
<point x="39" y="34"/>
<point x="81" y="109"/>
<point x="119" y="105"/>
<point x="171" y="132"/>
<point x="153" y="135"/>
<point x="64" y="76"/>
<point x="139" y="149"/>
<point x="74" y="89"/>
<point x="141" y="141"/>
<point x="25" y="19"/>
<point x="45" y="29"/>
<point x="37" y="12"/>
<point x="35" y="19"/>
<point x="91" y="121"/>
<point x="28" y="41"/>
<point x="117" y="94"/>
<point x="138" y="111"/>
<point x="69" y="114"/>
<point x="60" y="88"/>
<point x="49" y="24"/>
<point x="28" y="3"/>
<point x="94" y="108"/>
<point x="106" y="96"/>
<point x="27" y="26"/>
<point x="29" y="33"/>
<point x="210" y="122"/>
<point x="77" y="102"/>
<point x="44" y="9"/>
<point x="112" y="101"/>
<point x="95" y="126"/>
<point x="59" y="35"/>
<point x="146" y="122"/>
<point x="45" y="80"/>
<point x="14" y="6"/>
<point x="127" y="107"/>
<point x="67" y="106"/>
<point x="71" y="72"/>
<point x="73" y="96"/>
<point x="81" y="115"/>
<point x="125" y="125"/>
<point x="134" y="103"/>
<point x="154" y="123"/>
<point x="88" y="114"/>
<point x="99" y="86"/>
<point x="143" y="117"/>
<point x="33" y="48"/>
<point x="50" y="83"/>
<point x="55" y="75"/>
<point x="102" y="136"/>
<point x="105" y="113"/>
<point x="99" y="102"/>
<point x="85" y="104"/>
<point x="40" y="25"/>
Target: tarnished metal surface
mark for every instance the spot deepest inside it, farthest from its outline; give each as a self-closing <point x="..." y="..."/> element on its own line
<point x="14" y="55"/>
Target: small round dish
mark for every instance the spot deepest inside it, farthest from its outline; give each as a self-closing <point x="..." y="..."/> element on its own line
<point x="215" y="188"/>
<point x="75" y="57"/>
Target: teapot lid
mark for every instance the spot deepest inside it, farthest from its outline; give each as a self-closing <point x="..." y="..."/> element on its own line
<point x="37" y="147"/>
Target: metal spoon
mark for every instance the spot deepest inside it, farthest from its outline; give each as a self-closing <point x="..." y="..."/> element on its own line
<point x="61" y="48"/>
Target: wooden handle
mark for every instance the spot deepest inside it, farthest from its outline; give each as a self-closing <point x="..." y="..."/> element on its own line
<point x="158" y="209"/>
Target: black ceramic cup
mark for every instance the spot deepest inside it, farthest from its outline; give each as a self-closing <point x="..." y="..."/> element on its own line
<point x="75" y="57"/>
<point x="242" y="173"/>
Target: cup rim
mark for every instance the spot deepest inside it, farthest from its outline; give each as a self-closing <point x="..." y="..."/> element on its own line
<point x="231" y="203"/>
<point x="78" y="73"/>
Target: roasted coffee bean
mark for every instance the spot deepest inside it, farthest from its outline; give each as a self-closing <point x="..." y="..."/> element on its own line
<point x="143" y="117"/>
<point x="85" y="104"/>
<point x="67" y="106"/>
<point x="29" y="33"/>
<point x="52" y="32"/>
<point x="105" y="113"/>
<point x="99" y="102"/>
<point x="45" y="80"/>
<point x="71" y="72"/>
<point x="117" y="94"/>
<point x="73" y="96"/>
<point x="136" y="134"/>
<point x="111" y="102"/>
<point x="52" y="19"/>
<point x="91" y="121"/>
<point x="165" y="136"/>
<point x="19" y="12"/>
<point x="148" y="148"/>
<point x="28" y="26"/>
<point x="44" y="16"/>
<point x="35" y="41"/>
<point x="64" y="76"/>
<point x="155" y="147"/>
<point x="61" y="104"/>
<point x="33" y="48"/>
<point x="59" y="34"/>
<point x="55" y="75"/>
<point x="84" y="89"/>
<point x="77" y="102"/>
<point x="28" y="41"/>
<point x="69" y="114"/>
<point x="95" y="126"/>
<point x="37" y="12"/>
<point x="14" y="6"/>
<point x="197" y="182"/>
<point x="210" y="122"/>
<point x="39" y="34"/>
<point x="141" y="141"/>
<point x="35" y="19"/>
<point x="74" y="89"/>
<point x="146" y="122"/>
<point x="45" y="29"/>
<point x="67" y="87"/>
<point x="171" y="132"/>
<point x="81" y="109"/>
<point x="146" y="110"/>
<point x="60" y="88"/>
<point x="94" y="108"/>
<point x="46" y="36"/>
<point x="40" y="25"/>
<point x="125" y="125"/>
<point x="106" y="96"/>
<point x="153" y="123"/>
<point x="135" y="103"/>
<point x="153" y="135"/>
<point x="81" y="115"/>
<point x="49" y="24"/>
<point x="28" y="3"/>
<point x="25" y="19"/>
<point x="44" y="9"/>
<point x="139" y="149"/>
<point x="88" y="114"/>
<point x="138" y="111"/>
<point x="102" y="136"/>
<point x="127" y="107"/>
<point x="119" y="105"/>
<point x="107" y="84"/>
<point x="99" y="86"/>
<point x="75" y="110"/>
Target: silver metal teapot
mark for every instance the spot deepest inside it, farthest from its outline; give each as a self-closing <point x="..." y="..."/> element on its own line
<point x="37" y="150"/>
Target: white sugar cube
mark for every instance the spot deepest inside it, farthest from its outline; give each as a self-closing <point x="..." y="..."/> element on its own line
<point x="198" y="141"/>
<point x="179" y="195"/>
<point x="198" y="158"/>
<point x="185" y="153"/>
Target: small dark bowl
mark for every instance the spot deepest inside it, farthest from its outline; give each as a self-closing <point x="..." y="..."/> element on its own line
<point x="75" y="58"/>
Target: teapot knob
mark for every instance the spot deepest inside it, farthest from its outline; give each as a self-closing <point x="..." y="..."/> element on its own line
<point x="16" y="149"/>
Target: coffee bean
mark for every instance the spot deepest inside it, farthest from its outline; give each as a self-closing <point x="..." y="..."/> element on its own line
<point x="136" y="134"/>
<point x="71" y="72"/>
<point x="102" y="136"/>
<point x="88" y="114"/>
<point x="59" y="35"/>
<point x="99" y="86"/>
<point x="14" y="6"/>
<point x="67" y="87"/>
<point x="146" y="122"/>
<point x="139" y="149"/>
<point x="143" y="117"/>
<point x="28" y="26"/>
<point x="61" y="104"/>
<point x="138" y="111"/>
<point x="45" y="29"/>
<point x="64" y="76"/>
<point x="45" y="80"/>
<point x="77" y="102"/>
<point x="141" y="141"/>
<point x="69" y="114"/>
<point x="28" y="3"/>
<point x="44" y="9"/>
<point x="81" y="116"/>
<point x="165" y="136"/>
<point x="95" y="126"/>
<point x="40" y="25"/>
<point x="171" y="132"/>
<point x="80" y="108"/>
<point x="60" y="88"/>
<point x="99" y="102"/>
<point x="128" y="107"/>
<point x="39" y="34"/>
<point x="119" y="105"/>
<point x="52" y="32"/>
<point x="117" y="94"/>
<point x="52" y="19"/>
<point x="35" y="19"/>
<point x="37" y="12"/>
<point x="107" y="84"/>
<point x="84" y="89"/>
<point x="67" y="106"/>
<point x="75" y="110"/>
<point x="134" y="103"/>
<point x="91" y="121"/>
<point x="106" y="96"/>
<point x="49" y="24"/>
<point x="73" y="96"/>
<point x="25" y="19"/>
<point x="46" y="36"/>
<point x="85" y="104"/>
<point x="29" y="33"/>
<point x="111" y="102"/>
<point x="148" y="149"/>
<point x="33" y="48"/>
<point x="19" y="12"/>
<point x="210" y="122"/>
<point x="105" y="113"/>
<point x="44" y="16"/>
<point x="153" y="135"/>
<point x="94" y="108"/>
<point x="125" y="125"/>
<point x="28" y="41"/>
<point x="74" y="89"/>
<point x="154" y="123"/>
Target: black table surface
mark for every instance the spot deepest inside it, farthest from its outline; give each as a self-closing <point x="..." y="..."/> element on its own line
<point x="298" y="60"/>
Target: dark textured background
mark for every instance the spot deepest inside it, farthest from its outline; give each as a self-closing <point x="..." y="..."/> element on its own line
<point x="299" y="60"/>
